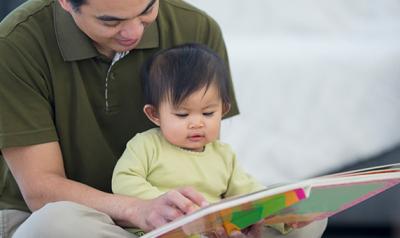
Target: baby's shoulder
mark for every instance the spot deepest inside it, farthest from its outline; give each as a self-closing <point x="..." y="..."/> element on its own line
<point x="222" y="147"/>
<point x="150" y="137"/>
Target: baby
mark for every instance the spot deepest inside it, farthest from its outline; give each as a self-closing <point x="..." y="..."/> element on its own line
<point x="186" y="96"/>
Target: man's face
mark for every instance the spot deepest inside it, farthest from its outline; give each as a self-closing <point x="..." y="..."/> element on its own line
<point x="114" y="26"/>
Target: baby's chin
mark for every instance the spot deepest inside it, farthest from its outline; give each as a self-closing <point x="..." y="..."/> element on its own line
<point x="194" y="148"/>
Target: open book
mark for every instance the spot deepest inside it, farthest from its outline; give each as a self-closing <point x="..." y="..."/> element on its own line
<point x="305" y="201"/>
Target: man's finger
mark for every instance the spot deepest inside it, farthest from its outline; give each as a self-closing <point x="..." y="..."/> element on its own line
<point x="237" y="234"/>
<point x="194" y="196"/>
<point x="170" y="213"/>
<point x="220" y="232"/>
<point x="154" y="221"/>
<point x="183" y="200"/>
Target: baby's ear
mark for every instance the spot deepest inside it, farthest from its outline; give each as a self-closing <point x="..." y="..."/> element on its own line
<point x="226" y="107"/>
<point x="152" y="113"/>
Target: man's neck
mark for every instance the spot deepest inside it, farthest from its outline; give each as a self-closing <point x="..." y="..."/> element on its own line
<point x="109" y="53"/>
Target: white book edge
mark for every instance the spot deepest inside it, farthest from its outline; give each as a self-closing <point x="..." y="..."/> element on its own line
<point x="385" y="167"/>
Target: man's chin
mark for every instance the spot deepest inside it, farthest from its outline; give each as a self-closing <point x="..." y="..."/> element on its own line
<point x="123" y="48"/>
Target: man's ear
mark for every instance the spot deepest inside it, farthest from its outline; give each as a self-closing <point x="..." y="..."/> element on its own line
<point x="66" y="5"/>
<point x="152" y="113"/>
<point x="226" y="107"/>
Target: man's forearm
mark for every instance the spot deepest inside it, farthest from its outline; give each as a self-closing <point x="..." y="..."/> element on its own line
<point x="39" y="172"/>
<point x="56" y="188"/>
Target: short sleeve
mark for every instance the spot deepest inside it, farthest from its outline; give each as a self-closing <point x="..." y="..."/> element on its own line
<point x="26" y="114"/>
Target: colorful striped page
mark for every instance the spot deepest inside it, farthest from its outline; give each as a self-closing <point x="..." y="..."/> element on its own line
<point x="304" y="201"/>
<point x="232" y="214"/>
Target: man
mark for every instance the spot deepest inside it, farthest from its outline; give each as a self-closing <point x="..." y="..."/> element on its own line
<point x="70" y="99"/>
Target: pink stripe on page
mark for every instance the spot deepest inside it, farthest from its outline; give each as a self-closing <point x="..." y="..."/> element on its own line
<point x="300" y="193"/>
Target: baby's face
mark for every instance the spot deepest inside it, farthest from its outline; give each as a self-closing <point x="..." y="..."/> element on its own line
<point x="195" y="122"/>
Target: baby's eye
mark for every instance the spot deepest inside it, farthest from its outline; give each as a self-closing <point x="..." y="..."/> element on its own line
<point x="182" y="115"/>
<point x="208" y="114"/>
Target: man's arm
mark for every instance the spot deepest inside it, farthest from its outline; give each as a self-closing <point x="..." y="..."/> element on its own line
<point x="39" y="172"/>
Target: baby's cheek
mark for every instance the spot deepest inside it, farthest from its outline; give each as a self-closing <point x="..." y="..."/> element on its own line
<point x="214" y="133"/>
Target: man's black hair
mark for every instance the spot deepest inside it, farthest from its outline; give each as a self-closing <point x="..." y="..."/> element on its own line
<point x="174" y="74"/>
<point x="76" y="4"/>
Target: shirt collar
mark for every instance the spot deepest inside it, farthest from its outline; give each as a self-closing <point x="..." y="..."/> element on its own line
<point x="75" y="45"/>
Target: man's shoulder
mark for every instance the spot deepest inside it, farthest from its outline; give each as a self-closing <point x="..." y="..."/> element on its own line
<point x="179" y="8"/>
<point x="28" y="16"/>
<point x="28" y="34"/>
<point x="180" y="22"/>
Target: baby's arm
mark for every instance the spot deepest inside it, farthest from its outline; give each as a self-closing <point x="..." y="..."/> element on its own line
<point x="130" y="172"/>
<point x="240" y="182"/>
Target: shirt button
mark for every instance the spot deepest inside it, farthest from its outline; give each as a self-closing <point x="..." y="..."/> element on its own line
<point x="112" y="76"/>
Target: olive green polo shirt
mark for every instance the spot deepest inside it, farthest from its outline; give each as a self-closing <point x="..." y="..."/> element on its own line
<point x="53" y="87"/>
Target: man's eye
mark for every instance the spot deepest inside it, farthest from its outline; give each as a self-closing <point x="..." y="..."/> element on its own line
<point x="110" y="23"/>
<point x="182" y="115"/>
<point x="208" y="114"/>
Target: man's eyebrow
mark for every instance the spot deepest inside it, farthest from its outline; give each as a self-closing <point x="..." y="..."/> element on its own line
<point x="110" y="18"/>
<point x="151" y="3"/>
<point x="113" y="18"/>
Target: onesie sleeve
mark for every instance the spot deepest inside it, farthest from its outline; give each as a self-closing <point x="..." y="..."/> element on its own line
<point x="240" y="182"/>
<point x="131" y="170"/>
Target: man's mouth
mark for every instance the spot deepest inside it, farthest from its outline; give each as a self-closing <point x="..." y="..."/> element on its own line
<point x="128" y="42"/>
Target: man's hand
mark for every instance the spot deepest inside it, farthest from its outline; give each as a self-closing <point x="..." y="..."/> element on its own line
<point x="168" y="207"/>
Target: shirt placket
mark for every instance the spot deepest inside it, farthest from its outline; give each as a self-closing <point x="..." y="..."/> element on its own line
<point x="110" y="77"/>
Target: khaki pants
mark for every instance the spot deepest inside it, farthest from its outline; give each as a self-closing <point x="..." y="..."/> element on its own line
<point x="70" y="220"/>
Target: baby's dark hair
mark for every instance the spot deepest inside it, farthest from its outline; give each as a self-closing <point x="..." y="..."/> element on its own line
<point x="174" y="74"/>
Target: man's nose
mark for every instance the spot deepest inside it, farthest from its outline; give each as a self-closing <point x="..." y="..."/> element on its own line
<point x="132" y="29"/>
